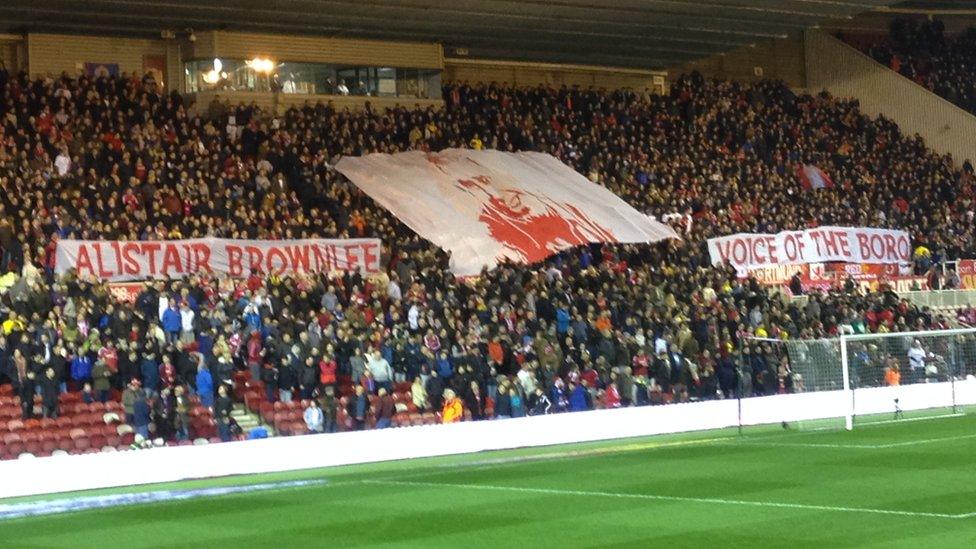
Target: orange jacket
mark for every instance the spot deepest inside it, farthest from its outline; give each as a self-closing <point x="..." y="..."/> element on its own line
<point x="453" y="411"/>
<point x="892" y="377"/>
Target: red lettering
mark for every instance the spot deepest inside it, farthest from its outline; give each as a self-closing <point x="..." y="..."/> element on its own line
<point x="150" y="249"/>
<point x="130" y="264"/>
<point x="318" y="257"/>
<point x="298" y="257"/>
<point x="282" y="260"/>
<point x="790" y="247"/>
<point x="904" y="249"/>
<point x="234" y="256"/>
<point x="817" y="237"/>
<point x="254" y="257"/>
<point x="740" y="252"/>
<point x="103" y="273"/>
<point x="201" y="256"/>
<point x="371" y="258"/>
<point x="845" y="246"/>
<point x="863" y="246"/>
<point x="84" y="262"/>
<point x="118" y="256"/>
<point x="829" y="244"/>
<point x="331" y="258"/>
<point x="352" y="258"/>
<point x="877" y="246"/>
<point x="171" y="260"/>
<point x="757" y="256"/>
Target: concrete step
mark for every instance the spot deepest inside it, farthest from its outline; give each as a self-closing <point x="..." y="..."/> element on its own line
<point x="248" y="420"/>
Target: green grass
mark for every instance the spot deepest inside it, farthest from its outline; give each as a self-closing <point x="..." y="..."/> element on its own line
<point x="907" y="484"/>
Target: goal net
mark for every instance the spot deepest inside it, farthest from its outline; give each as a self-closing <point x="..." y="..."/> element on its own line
<point x="869" y="377"/>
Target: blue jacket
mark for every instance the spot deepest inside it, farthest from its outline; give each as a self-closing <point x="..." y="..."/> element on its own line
<point x="577" y="400"/>
<point x="171" y="320"/>
<point x="444" y="368"/>
<point x="562" y="320"/>
<point x="81" y="367"/>
<point x="205" y="384"/>
<point x="140" y="412"/>
<point x="150" y="373"/>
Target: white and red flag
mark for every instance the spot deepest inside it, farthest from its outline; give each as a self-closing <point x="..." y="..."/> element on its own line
<point x="812" y="177"/>
<point x="490" y="206"/>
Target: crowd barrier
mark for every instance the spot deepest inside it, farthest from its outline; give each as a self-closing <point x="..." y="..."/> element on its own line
<point x="34" y="476"/>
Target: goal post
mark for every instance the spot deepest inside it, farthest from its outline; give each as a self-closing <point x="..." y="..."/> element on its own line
<point x="895" y="373"/>
<point x="865" y="378"/>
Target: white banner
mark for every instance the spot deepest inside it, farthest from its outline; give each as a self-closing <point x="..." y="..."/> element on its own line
<point x="487" y="207"/>
<point x="823" y="244"/>
<point x="137" y="260"/>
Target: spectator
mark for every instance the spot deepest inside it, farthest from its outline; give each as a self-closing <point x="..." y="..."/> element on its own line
<point x="314" y="418"/>
<point x="141" y="416"/>
<point x="181" y="413"/>
<point x="579" y="398"/>
<point x="205" y="386"/>
<point x="129" y="397"/>
<point x="385" y="408"/>
<point x="453" y="411"/>
<point x="540" y="403"/>
<point x="419" y="394"/>
<point x="329" y="407"/>
<point x="358" y="408"/>
<point x="916" y="361"/>
<point x="49" y="391"/>
<point x="100" y="380"/>
<point x="222" y="409"/>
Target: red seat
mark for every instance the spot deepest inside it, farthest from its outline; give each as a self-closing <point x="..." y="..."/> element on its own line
<point x="63" y="421"/>
<point x="32" y="447"/>
<point x="78" y="408"/>
<point x="48" y="434"/>
<point x="67" y="444"/>
<point x="98" y="441"/>
<point x="13" y="449"/>
<point x="49" y="445"/>
<point x="77" y="433"/>
<point x="82" y="443"/>
<point x="113" y="440"/>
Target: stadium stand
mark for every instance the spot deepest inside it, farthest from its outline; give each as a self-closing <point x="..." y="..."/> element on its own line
<point x="921" y="51"/>
<point x="111" y="158"/>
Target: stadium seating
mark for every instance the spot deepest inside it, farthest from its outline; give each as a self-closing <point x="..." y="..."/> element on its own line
<point x="715" y="157"/>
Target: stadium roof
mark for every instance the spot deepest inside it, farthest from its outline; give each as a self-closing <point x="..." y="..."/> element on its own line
<point x="626" y="33"/>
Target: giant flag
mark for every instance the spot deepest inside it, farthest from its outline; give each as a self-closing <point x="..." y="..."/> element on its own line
<point x="489" y="206"/>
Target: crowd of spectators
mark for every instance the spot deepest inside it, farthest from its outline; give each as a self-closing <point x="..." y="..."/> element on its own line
<point x="113" y="158"/>
<point x="921" y="51"/>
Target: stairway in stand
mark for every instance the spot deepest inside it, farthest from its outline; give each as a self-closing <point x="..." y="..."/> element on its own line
<point x="247" y="420"/>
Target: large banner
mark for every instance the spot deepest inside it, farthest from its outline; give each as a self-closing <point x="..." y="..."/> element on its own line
<point x="746" y="251"/>
<point x="137" y="260"/>
<point x="486" y="207"/>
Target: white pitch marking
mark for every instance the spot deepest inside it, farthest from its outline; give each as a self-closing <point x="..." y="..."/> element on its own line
<point x="655" y="497"/>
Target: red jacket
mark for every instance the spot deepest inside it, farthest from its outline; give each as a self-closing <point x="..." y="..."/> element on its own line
<point x="327" y="369"/>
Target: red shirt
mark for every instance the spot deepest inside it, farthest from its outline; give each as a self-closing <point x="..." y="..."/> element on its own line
<point x="111" y="358"/>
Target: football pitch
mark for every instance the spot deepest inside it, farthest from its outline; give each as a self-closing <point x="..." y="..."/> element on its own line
<point x="909" y="483"/>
